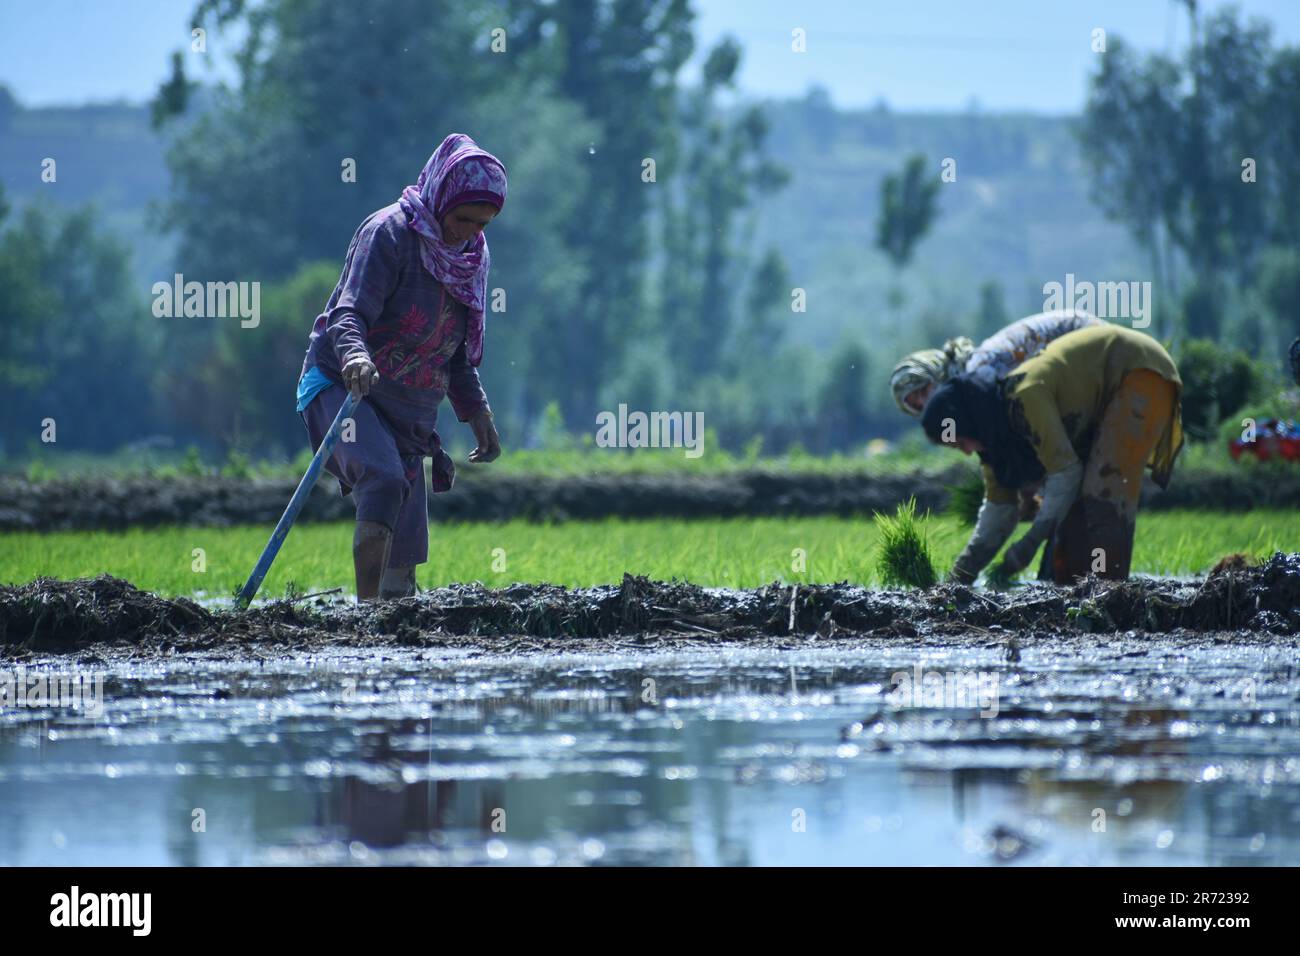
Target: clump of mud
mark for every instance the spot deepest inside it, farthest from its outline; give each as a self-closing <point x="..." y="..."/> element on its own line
<point x="66" y="615"/>
<point x="54" y="616"/>
<point x="144" y="501"/>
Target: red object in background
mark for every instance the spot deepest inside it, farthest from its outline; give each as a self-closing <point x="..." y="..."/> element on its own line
<point x="1273" y="439"/>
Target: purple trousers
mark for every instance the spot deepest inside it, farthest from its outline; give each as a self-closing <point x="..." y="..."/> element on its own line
<point x="385" y="485"/>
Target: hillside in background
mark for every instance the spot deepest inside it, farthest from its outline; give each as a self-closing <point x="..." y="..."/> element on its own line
<point x="107" y="154"/>
<point x="1018" y="213"/>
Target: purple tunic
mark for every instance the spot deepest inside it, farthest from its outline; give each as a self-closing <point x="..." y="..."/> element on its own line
<point x="386" y="487"/>
<point x="413" y="305"/>
<point x="388" y="307"/>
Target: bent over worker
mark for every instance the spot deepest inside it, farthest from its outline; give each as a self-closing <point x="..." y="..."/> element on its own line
<point x="1085" y="417"/>
<point x="915" y="378"/>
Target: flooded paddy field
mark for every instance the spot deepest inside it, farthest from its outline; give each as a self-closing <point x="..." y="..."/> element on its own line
<point x="650" y="723"/>
<point x="1125" y="749"/>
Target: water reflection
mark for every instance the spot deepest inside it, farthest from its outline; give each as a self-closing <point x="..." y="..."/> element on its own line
<point x="738" y="757"/>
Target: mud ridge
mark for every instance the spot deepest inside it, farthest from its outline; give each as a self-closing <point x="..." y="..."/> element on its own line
<point x="49" y="616"/>
<point x="109" y="503"/>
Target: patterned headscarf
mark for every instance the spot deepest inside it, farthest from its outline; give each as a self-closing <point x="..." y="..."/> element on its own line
<point x="457" y="172"/>
<point x="929" y="367"/>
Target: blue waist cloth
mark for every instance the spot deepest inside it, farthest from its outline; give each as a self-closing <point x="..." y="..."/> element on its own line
<point x="312" y="383"/>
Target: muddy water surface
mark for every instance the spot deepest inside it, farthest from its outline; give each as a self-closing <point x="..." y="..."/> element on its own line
<point x="1103" y="750"/>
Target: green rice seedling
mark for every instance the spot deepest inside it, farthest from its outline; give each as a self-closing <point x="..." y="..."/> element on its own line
<point x="904" y="552"/>
<point x="965" y="498"/>
<point x="713" y="552"/>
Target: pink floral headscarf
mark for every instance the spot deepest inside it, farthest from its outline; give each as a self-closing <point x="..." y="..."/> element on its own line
<point x="457" y="172"/>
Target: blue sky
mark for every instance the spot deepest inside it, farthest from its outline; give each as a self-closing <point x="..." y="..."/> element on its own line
<point x="916" y="54"/>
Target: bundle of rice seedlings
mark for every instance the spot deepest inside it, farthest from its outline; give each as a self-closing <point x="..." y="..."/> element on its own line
<point x="964" y="499"/>
<point x="904" y="552"/>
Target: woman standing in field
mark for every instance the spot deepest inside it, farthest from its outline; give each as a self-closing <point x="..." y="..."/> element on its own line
<point x="1085" y="416"/>
<point x="916" y="377"/>
<point x="404" y="329"/>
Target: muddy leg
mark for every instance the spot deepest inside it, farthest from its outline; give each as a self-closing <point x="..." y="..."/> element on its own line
<point x="1130" y="426"/>
<point x="1045" y="565"/>
<point x="381" y="482"/>
<point x="1070" y="547"/>
<point x="370" y="544"/>
<point x="1110" y="538"/>
<point x="397" y="583"/>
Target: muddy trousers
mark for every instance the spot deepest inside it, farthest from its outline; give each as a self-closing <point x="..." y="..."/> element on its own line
<point x="1096" y="535"/>
<point x="386" y="487"/>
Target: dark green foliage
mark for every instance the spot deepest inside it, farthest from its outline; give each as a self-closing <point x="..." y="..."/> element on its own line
<point x="842" y="399"/>
<point x="1196" y="155"/>
<point x="1216" y="384"/>
<point x="664" y="294"/>
<point x="191" y="464"/>
<point x="323" y="82"/>
<point x="243" y="393"/>
<point x="586" y="92"/>
<point x="174" y="95"/>
<point x="79" y="338"/>
<point x="237" y="465"/>
<point x="1279" y="289"/>
<point x="780" y="240"/>
<point x="903" y="559"/>
<point x="1204" y="307"/>
<point x="715" y="169"/>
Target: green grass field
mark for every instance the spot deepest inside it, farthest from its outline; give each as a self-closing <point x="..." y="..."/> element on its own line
<point x="730" y="552"/>
<point x="911" y="453"/>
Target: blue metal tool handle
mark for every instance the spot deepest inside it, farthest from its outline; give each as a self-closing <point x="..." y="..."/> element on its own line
<point x="296" y="502"/>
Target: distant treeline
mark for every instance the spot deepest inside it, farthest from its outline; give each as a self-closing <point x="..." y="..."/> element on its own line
<point x="737" y="275"/>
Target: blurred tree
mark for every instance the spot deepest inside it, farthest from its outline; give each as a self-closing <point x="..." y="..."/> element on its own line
<point x="8" y="107"/>
<point x="1229" y="215"/>
<point x="1280" y="182"/>
<point x="79" y="340"/>
<point x="1217" y="383"/>
<point x="1191" y="154"/>
<point x="767" y="312"/>
<point x="617" y="60"/>
<point x="821" y="119"/>
<point x="718" y="167"/>
<point x="992" y="316"/>
<point x="842" y="400"/>
<point x="1279" y="287"/>
<point x="907" y="209"/>
<point x="745" y="399"/>
<point x="174" y="95"/>
<point x="1204" y="305"/>
<point x="1132" y="115"/>
<point x="241" y="393"/>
